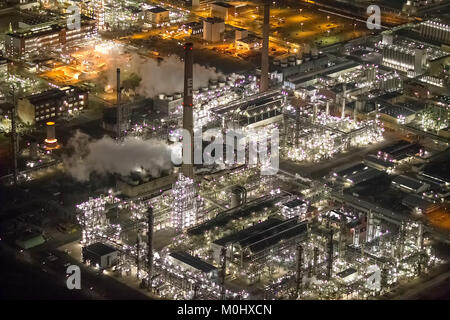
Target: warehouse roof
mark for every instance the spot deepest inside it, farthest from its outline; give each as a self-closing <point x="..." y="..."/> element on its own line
<point x="439" y="171"/>
<point x="294" y="203"/>
<point x="52" y="94"/>
<point x="408" y="183"/>
<point x="195" y="262"/>
<point x="100" y="249"/>
<point x="223" y="4"/>
<point x="374" y="160"/>
<point x="395" y="147"/>
<point x="351" y="170"/>
<point x="265" y="234"/>
<point x="363" y="175"/>
<point x="158" y="10"/>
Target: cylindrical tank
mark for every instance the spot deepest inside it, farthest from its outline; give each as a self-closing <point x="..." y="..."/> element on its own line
<point x="51" y="130"/>
<point x="169" y="97"/>
<point x="51" y="142"/>
<point x="238" y="196"/>
<point x="177" y="95"/>
<point x="161" y="96"/>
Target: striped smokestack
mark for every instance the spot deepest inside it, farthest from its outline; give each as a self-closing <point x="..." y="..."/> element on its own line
<point x="188" y="115"/>
<point x="118" y="85"/>
<point x="264" y="85"/>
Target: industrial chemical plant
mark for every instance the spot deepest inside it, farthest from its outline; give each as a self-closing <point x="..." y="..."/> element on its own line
<point x="201" y="150"/>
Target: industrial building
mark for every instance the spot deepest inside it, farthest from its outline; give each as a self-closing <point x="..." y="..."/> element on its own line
<point x="248" y="43"/>
<point x="157" y="15"/>
<point x="254" y="111"/>
<point x="213" y="29"/>
<point x="133" y="186"/>
<point x="240" y="33"/>
<point x="195" y="264"/>
<point x="410" y="184"/>
<point x="168" y="103"/>
<point x="222" y="10"/>
<point x="28" y="240"/>
<point x="24" y="42"/>
<point x="436" y="30"/>
<point x="254" y="243"/>
<point x="100" y="255"/>
<point x="346" y="202"/>
<point x="52" y="104"/>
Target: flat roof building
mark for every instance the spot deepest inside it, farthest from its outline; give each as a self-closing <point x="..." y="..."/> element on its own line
<point x="410" y="184"/>
<point x="101" y="255"/>
<point x="51" y="104"/>
<point x="222" y="10"/>
<point x="252" y="244"/>
<point x="158" y="15"/>
<point x="34" y="40"/>
<point x="189" y="262"/>
<point x="213" y="29"/>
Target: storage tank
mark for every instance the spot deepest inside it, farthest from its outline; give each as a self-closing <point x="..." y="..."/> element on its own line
<point x="177" y="95"/>
<point x="51" y="142"/>
<point x="238" y="196"/>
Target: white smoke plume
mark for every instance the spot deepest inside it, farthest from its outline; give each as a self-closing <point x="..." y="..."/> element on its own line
<point x="108" y="156"/>
<point x="163" y="76"/>
<point x="167" y="76"/>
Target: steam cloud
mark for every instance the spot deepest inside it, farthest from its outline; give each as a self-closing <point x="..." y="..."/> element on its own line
<point x="107" y="156"/>
<point x="164" y="76"/>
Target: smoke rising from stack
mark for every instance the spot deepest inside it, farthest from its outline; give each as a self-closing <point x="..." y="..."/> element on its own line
<point x="105" y="156"/>
<point x="164" y="76"/>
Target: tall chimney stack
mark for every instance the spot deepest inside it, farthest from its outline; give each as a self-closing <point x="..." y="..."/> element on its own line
<point x="14" y="140"/>
<point x="119" y="110"/>
<point x="344" y="94"/>
<point x="188" y="115"/>
<point x="264" y="84"/>
<point x="118" y="86"/>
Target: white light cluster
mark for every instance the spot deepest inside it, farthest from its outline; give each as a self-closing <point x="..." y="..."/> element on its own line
<point x="184" y="213"/>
